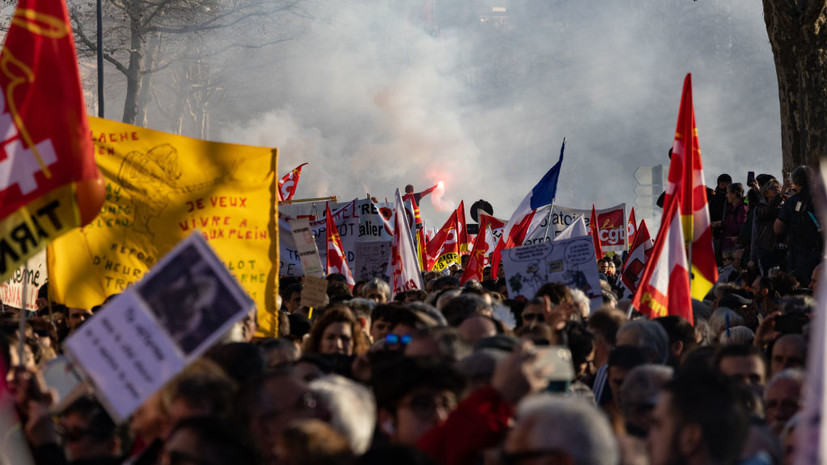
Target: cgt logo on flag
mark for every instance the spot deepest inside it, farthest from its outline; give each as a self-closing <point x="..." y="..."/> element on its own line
<point x="49" y="182"/>
<point x="288" y="184"/>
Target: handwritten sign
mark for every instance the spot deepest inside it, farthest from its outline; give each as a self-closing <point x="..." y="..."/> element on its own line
<point x="159" y="189"/>
<point x="306" y="248"/>
<point x="34" y="274"/>
<point x="612" y="223"/>
<point x="569" y="261"/>
<point x="150" y="332"/>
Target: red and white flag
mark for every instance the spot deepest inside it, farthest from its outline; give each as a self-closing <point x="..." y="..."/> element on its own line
<point x="49" y="181"/>
<point x="404" y="266"/>
<point x="664" y="288"/>
<point x="686" y="183"/>
<point x="450" y="241"/>
<point x="287" y="184"/>
<point x="638" y="256"/>
<point x="336" y="259"/>
<point x="483" y="246"/>
<point x="631" y="228"/>
<point x="594" y="229"/>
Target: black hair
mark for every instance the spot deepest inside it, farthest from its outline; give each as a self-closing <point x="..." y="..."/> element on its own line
<point x="219" y="439"/>
<point x="580" y="342"/>
<point x="394" y="380"/>
<point x="462" y="307"/>
<point x="712" y="402"/>
<point x="240" y="360"/>
<point x="100" y="424"/>
<point x="626" y="357"/>
<point x="678" y="329"/>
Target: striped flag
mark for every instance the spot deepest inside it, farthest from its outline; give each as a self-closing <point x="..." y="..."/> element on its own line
<point x="686" y="183"/>
<point x="336" y="259"/>
<point x="594" y="229"/>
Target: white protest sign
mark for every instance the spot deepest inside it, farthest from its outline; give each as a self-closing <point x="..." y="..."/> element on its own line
<point x="612" y="222"/>
<point x="571" y="262"/>
<point x="34" y="273"/>
<point x="290" y="263"/>
<point x="151" y="331"/>
<point x="306" y="248"/>
<point x="372" y="260"/>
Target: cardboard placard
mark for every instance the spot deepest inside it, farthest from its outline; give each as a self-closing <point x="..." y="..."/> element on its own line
<point x="151" y="331"/>
<point x="306" y="247"/>
<point x="314" y="293"/>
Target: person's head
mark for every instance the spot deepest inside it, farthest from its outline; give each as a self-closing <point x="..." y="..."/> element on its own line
<point x="338" y="291"/>
<point x="413" y="395"/>
<point x="622" y="360"/>
<point x="639" y="393"/>
<point x="87" y="431"/>
<point x="312" y="441"/>
<point x="782" y="398"/>
<point x="270" y="402"/>
<point x="742" y="363"/>
<point x="240" y="360"/>
<point x="648" y="336"/>
<point x="723" y="181"/>
<point x="681" y="336"/>
<point x="770" y="189"/>
<point x="352" y="409"/>
<point x="581" y="344"/>
<point x="405" y="322"/>
<point x="558" y="294"/>
<point x="335" y="333"/>
<point x="554" y="429"/>
<point x="202" y="388"/>
<point x="376" y="289"/>
<point x="788" y="351"/>
<point x="699" y="418"/>
<point x="735" y="193"/>
<point x="292" y="296"/>
<point x="534" y="312"/>
<point x="280" y="351"/>
<point x="801" y="178"/>
<point x="207" y="439"/>
<point x="604" y="324"/>
<point x="438" y="341"/>
<point x="76" y="318"/>
<point x="464" y="306"/>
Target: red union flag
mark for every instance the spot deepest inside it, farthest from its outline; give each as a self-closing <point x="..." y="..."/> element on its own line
<point x="686" y="183"/>
<point x="483" y="245"/>
<point x="638" y="257"/>
<point x="631" y="228"/>
<point x="664" y="288"/>
<point x="287" y="184"/>
<point x="594" y="229"/>
<point x="49" y="183"/>
<point x="336" y="260"/>
<point x="612" y="228"/>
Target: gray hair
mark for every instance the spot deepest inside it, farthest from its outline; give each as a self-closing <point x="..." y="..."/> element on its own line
<point x="582" y="303"/>
<point x="792" y="374"/>
<point x="377" y="284"/>
<point x="650" y="337"/>
<point x="570" y="425"/>
<point x="718" y="321"/>
<point x="737" y="335"/>
<point x="643" y="385"/>
<point x="352" y="409"/>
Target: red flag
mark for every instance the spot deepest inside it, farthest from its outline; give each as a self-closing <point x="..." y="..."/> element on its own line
<point x="49" y="182"/>
<point x="462" y="229"/>
<point x="336" y="259"/>
<point x="594" y="228"/>
<point x="287" y="184"/>
<point x="686" y="183"/>
<point x="443" y="248"/>
<point x="483" y="245"/>
<point x="638" y="257"/>
<point x="631" y="228"/>
<point x="664" y="288"/>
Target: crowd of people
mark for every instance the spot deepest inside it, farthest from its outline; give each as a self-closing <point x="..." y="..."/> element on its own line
<point x="462" y="374"/>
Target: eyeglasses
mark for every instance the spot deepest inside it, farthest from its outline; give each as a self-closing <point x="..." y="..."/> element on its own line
<point x="424" y="405"/>
<point x="395" y="339"/>
<point x="534" y="317"/>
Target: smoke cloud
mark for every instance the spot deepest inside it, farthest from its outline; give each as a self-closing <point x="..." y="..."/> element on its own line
<point x="479" y="95"/>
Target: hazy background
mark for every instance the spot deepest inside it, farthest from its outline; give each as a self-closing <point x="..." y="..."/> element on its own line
<point x="378" y="94"/>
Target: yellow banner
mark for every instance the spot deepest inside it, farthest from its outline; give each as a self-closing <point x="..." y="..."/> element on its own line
<point x="160" y="188"/>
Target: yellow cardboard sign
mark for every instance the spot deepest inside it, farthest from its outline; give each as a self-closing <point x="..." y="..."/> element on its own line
<point x="159" y="188"/>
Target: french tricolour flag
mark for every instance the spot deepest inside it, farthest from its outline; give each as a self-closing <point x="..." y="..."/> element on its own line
<point x="517" y="226"/>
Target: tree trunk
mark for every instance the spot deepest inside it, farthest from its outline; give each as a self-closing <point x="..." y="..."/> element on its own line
<point x="797" y="34"/>
<point x="134" y="70"/>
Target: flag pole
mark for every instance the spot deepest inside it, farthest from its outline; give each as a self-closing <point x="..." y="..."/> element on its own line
<point x="551" y="210"/>
<point x="21" y="338"/>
